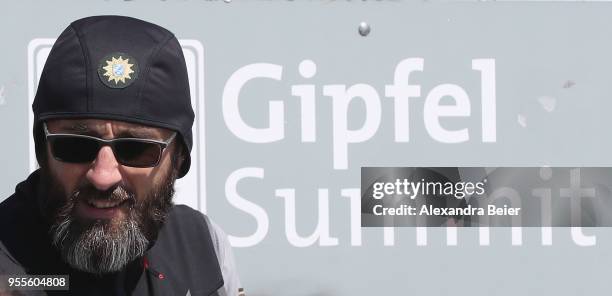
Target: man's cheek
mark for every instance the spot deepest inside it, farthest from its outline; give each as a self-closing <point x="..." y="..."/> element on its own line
<point x="70" y="177"/>
<point x="140" y="181"/>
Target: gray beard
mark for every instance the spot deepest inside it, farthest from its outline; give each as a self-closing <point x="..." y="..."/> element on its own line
<point x="107" y="246"/>
<point x="99" y="248"/>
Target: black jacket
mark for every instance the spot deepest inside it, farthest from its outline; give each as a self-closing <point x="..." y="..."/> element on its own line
<point x="181" y="260"/>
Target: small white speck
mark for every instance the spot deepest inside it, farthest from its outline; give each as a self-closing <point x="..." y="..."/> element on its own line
<point x="522" y="120"/>
<point x="548" y="103"/>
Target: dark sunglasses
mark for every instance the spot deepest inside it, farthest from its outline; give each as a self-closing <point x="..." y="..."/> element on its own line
<point x="132" y="152"/>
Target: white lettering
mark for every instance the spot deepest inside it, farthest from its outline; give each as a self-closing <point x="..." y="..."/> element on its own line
<point x="231" y="113"/>
<point x="260" y="215"/>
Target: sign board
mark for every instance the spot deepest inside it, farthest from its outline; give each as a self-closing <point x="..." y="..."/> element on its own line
<point x="292" y="99"/>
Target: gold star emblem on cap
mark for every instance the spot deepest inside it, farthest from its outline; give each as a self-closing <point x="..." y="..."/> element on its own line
<point x="118" y="69"/>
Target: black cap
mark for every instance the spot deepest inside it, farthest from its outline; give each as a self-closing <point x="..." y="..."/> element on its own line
<point x="118" y="68"/>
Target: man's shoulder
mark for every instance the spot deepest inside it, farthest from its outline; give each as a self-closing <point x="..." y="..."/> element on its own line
<point x="16" y="234"/>
<point x="24" y="241"/>
<point x="20" y="209"/>
<point x="9" y="209"/>
<point x="15" y="212"/>
<point x="221" y="246"/>
<point x="22" y="200"/>
<point x="184" y="221"/>
<point x="184" y="240"/>
<point x="186" y="211"/>
<point x="9" y="206"/>
<point x="184" y="214"/>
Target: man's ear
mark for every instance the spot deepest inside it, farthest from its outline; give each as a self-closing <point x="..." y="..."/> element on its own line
<point x="178" y="155"/>
<point x="40" y="144"/>
<point x="181" y="159"/>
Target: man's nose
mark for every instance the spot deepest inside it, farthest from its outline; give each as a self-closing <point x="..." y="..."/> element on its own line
<point x="104" y="171"/>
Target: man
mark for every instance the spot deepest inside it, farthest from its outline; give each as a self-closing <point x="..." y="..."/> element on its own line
<point x="112" y="128"/>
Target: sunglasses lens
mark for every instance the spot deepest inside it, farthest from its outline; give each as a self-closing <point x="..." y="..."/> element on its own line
<point x="74" y="149"/>
<point x="137" y="154"/>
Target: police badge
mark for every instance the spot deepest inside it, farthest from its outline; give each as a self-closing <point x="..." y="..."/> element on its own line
<point x="118" y="70"/>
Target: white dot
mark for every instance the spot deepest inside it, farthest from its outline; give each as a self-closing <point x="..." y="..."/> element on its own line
<point x="308" y="68"/>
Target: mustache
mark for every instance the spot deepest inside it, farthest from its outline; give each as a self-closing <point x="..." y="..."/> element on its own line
<point x="116" y="193"/>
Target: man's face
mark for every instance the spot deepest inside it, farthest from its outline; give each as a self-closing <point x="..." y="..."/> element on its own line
<point x="104" y="214"/>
